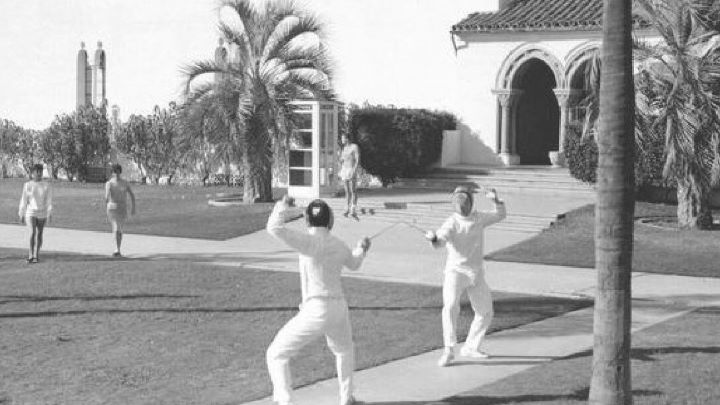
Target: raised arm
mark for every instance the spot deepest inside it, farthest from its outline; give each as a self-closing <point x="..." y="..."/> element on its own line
<point x="276" y="227"/>
<point x="497" y="214"/>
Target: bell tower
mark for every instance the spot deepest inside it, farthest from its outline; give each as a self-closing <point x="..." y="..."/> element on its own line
<point x="99" y="77"/>
<point x="91" y="79"/>
<point x="84" y="80"/>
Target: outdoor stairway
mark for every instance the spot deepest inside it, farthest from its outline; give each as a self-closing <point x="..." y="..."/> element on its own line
<point x="533" y="179"/>
<point x="430" y="216"/>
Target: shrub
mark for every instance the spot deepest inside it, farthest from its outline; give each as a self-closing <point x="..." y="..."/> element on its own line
<point x="397" y="142"/>
<point x="581" y="154"/>
<point x="649" y="163"/>
<point x="582" y="158"/>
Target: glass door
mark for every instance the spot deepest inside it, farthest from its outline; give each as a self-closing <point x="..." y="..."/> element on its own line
<point x="301" y="154"/>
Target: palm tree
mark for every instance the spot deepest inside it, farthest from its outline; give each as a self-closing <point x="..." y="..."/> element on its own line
<point x="685" y="71"/>
<point x="277" y="55"/>
<point x="610" y="383"/>
<point x="206" y="141"/>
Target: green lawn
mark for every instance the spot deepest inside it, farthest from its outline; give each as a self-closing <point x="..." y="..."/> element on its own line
<point x="83" y="329"/>
<point x="675" y="362"/>
<point x="570" y="242"/>
<point x="162" y="210"/>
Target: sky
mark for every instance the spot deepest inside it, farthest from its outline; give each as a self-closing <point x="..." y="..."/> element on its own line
<point x="385" y="51"/>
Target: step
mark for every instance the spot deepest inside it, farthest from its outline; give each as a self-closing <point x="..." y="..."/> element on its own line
<point x="540" y="188"/>
<point x="499" y="178"/>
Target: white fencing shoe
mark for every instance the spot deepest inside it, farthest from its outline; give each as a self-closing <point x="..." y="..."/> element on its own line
<point x="473" y="353"/>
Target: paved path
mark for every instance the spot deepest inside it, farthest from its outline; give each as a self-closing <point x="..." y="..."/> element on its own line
<point x="401" y="255"/>
<point x="418" y="379"/>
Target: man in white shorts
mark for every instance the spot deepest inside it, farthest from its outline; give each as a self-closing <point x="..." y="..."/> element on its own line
<point x="116" y="192"/>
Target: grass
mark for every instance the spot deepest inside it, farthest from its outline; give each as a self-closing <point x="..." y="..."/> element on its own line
<point x="675" y="362"/>
<point x="570" y="242"/>
<point x="83" y="329"/>
<point x="82" y="206"/>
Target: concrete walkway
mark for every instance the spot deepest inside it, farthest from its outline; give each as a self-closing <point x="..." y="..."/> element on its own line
<point x="400" y="254"/>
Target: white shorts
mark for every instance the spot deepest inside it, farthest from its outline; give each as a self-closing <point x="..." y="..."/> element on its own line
<point x="117" y="215"/>
<point x="347" y="174"/>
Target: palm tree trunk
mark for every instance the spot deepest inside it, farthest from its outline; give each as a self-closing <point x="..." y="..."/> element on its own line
<point x="257" y="165"/>
<point x="693" y="212"/>
<point x="610" y="382"/>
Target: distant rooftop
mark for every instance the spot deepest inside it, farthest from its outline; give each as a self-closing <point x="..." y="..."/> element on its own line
<point x="540" y="15"/>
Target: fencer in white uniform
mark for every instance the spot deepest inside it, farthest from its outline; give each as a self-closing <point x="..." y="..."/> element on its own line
<point x="324" y="310"/>
<point x="463" y="234"/>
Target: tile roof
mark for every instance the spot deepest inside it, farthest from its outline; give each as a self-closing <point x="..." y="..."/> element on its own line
<point x="540" y="15"/>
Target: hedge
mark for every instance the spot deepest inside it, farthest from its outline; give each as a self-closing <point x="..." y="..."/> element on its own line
<point x="397" y="142"/>
<point x="582" y="159"/>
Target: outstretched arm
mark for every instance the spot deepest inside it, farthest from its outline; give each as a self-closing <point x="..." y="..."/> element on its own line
<point x="276" y="227"/>
<point x="444" y="234"/>
<point x="356" y="257"/>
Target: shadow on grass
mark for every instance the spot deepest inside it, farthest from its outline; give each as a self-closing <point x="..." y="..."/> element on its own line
<point x="49" y="257"/>
<point x="508" y="306"/>
<point x="241" y="259"/>
<point x="579" y="395"/>
<point x="6" y="299"/>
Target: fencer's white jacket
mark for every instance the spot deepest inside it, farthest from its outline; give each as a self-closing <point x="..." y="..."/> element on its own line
<point x="322" y="256"/>
<point x="464" y="238"/>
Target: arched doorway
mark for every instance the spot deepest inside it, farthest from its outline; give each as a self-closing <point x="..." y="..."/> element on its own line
<point x="537" y="114"/>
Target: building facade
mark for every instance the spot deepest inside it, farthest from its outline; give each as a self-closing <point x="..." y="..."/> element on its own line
<point x="522" y="70"/>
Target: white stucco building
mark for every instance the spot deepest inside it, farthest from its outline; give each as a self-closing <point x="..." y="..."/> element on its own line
<point x="521" y="70"/>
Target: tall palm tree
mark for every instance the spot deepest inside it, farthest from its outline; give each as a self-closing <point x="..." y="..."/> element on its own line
<point x="277" y="55"/>
<point x="610" y="383"/>
<point x="685" y="71"/>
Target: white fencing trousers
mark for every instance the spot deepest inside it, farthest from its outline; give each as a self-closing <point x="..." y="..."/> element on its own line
<point x="317" y="317"/>
<point x="481" y="301"/>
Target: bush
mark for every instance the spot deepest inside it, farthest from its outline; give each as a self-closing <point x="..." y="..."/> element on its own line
<point x="582" y="159"/>
<point x="581" y="154"/>
<point x="649" y="163"/>
<point x="397" y="142"/>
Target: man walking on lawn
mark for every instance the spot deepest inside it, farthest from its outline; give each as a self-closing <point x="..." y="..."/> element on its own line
<point x="324" y="310"/>
<point x="116" y="192"/>
<point x="35" y="210"/>
<point x="463" y="234"/>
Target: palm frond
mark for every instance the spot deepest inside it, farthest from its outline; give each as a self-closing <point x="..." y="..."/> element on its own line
<point x="236" y="38"/>
<point x="286" y="35"/>
<point x="246" y="13"/>
<point x="197" y="69"/>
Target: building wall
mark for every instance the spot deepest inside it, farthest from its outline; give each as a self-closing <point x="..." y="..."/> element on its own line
<point x="480" y="59"/>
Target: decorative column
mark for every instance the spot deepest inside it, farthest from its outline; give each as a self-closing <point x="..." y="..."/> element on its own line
<point x="566" y="99"/>
<point x="508" y="99"/>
